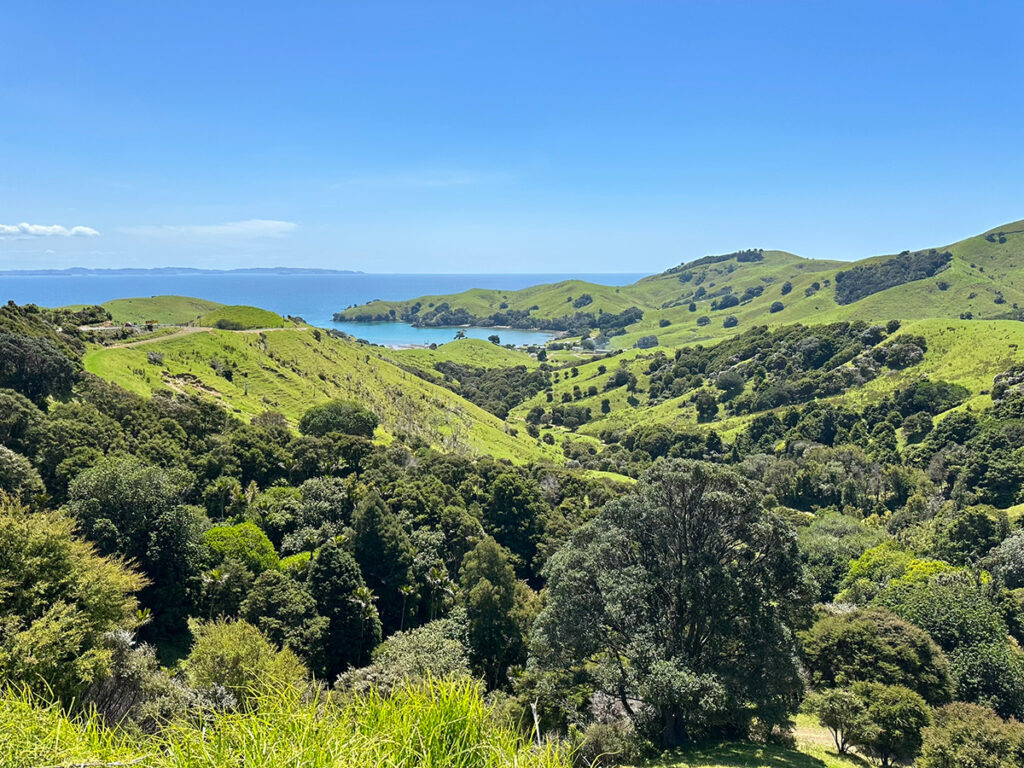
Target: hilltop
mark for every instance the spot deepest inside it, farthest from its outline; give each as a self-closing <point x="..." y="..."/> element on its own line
<point x="713" y="297"/>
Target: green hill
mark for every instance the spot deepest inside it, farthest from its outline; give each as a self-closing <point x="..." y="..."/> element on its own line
<point x="169" y="310"/>
<point x="473" y="352"/>
<point x="240" y="318"/>
<point x="289" y="370"/>
<point x="981" y="277"/>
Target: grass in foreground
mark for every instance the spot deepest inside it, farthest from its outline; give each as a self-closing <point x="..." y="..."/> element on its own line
<point x="434" y="725"/>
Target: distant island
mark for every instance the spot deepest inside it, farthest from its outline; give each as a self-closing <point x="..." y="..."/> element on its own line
<point x="82" y="271"/>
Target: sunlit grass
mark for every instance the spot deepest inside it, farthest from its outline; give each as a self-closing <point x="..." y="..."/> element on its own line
<point x="431" y="725"/>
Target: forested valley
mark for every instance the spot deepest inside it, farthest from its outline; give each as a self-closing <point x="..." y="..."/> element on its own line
<point x="183" y="584"/>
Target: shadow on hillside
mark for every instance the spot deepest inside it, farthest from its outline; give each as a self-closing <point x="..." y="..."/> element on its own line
<point x="741" y="754"/>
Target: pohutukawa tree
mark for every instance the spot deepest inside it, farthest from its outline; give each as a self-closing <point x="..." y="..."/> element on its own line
<point x="681" y="597"/>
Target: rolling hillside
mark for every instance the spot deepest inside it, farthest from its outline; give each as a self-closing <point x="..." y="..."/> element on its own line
<point x="170" y="310"/>
<point x="289" y="370"/>
<point x="981" y="277"/>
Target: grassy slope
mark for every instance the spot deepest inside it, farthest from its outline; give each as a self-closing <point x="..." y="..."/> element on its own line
<point x="245" y="317"/>
<point x="172" y="310"/>
<point x="472" y="352"/>
<point x="979" y="272"/>
<point x="289" y="370"/>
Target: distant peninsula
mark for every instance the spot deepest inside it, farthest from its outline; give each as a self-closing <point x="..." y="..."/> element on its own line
<point x="83" y="271"/>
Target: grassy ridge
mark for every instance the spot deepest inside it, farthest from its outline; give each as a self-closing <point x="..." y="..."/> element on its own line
<point x="171" y="310"/>
<point x="240" y="317"/>
<point x="445" y="725"/>
<point x="290" y="370"/>
<point x="985" y="278"/>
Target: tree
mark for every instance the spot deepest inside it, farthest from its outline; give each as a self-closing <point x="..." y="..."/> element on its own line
<point x="338" y="416"/>
<point x="245" y="543"/>
<point x="706" y="405"/>
<point x="511" y="515"/>
<point x="341" y="596"/>
<point x="875" y="645"/>
<point x="843" y="714"/>
<point x="60" y="599"/>
<point x="18" y="478"/>
<point x="494" y="338"/>
<point x="283" y="610"/>
<point x="382" y="548"/>
<point x="35" y="367"/>
<point x="896" y="716"/>
<point x="970" y="735"/>
<point x="488" y="592"/>
<point x="682" y="595"/>
<point x="236" y="656"/>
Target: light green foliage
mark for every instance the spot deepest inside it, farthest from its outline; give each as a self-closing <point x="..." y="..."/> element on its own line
<point x="438" y="724"/>
<point x="437" y="650"/>
<point x="829" y="543"/>
<point x="235" y="656"/>
<point x="58" y="599"/>
<point x="245" y="543"/>
<point x="240" y="318"/>
<point x="970" y="735"/>
<point x="887" y="565"/>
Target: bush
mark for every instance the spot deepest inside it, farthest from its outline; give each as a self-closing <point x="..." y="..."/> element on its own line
<point x="777" y="306"/>
<point x="896" y="717"/>
<point x="646" y="342"/>
<point x="730" y="322"/>
<point x="235" y="656"/>
<point x="245" y="543"/>
<point x="970" y="735"/>
<point x="606" y="744"/>
<point x="338" y="416"/>
<point x="876" y="646"/>
<point x="703" y="320"/>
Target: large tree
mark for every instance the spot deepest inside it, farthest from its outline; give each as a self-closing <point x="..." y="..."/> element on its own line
<point x="682" y="597"/>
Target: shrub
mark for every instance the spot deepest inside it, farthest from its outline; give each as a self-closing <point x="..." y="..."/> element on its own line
<point x="646" y="342"/>
<point x="970" y="735"/>
<point x="730" y="322"/>
<point x="234" y="655"/>
<point x="777" y="306"/>
<point x="338" y="416"/>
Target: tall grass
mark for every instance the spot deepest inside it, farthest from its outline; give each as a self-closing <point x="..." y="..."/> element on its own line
<point x="430" y="725"/>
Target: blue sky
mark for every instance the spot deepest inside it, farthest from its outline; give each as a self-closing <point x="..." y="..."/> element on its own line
<point x="502" y="137"/>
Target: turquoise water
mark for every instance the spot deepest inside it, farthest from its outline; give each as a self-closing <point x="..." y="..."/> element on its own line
<point x="315" y="298"/>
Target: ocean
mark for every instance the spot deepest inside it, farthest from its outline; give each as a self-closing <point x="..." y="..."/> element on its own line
<point x="315" y="298"/>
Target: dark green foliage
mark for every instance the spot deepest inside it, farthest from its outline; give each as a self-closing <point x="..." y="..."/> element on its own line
<point x="646" y="342"/>
<point x="860" y="281"/>
<point x="338" y="416"/>
<point x="705" y="637"/>
<point x="874" y="645"/>
<point x="284" y="610"/>
<point x="776" y="306"/>
<point x="730" y="322"/>
<point x="353" y="626"/>
<point x="382" y="549"/>
<point x="35" y="367"/>
<point x="497" y="390"/>
<point x="497" y="619"/>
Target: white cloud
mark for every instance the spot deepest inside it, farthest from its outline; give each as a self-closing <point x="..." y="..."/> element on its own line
<point x="24" y="230"/>
<point x="250" y="228"/>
